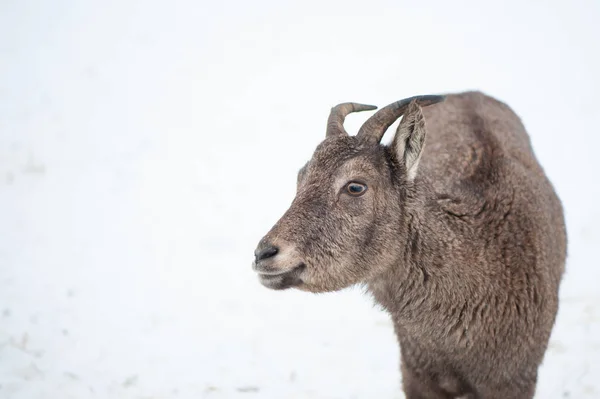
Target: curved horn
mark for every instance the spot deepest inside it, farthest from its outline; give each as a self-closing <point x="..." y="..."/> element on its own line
<point x="335" y="123"/>
<point x="374" y="128"/>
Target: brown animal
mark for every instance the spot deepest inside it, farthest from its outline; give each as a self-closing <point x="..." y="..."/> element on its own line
<point x="462" y="241"/>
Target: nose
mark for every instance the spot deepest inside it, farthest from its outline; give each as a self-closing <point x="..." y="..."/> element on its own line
<point x="266" y="251"/>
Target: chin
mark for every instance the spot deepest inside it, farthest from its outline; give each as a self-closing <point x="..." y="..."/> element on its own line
<point x="281" y="282"/>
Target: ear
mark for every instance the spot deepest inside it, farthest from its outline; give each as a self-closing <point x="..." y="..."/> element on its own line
<point x="409" y="140"/>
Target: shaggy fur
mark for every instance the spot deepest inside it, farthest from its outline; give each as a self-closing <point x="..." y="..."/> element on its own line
<point x="459" y="235"/>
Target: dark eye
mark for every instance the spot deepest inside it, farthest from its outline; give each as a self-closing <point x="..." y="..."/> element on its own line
<point x="356" y="189"/>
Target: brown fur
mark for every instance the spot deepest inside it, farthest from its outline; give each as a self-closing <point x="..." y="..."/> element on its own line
<point x="467" y="257"/>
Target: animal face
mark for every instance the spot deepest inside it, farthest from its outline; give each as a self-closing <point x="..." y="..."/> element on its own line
<point x="346" y="221"/>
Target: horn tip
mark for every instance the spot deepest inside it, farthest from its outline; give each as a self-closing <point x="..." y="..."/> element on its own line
<point x="436" y="98"/>
<point x="364" y="107"/>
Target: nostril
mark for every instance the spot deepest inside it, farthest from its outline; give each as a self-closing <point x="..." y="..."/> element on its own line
<point x="266" y="252"/>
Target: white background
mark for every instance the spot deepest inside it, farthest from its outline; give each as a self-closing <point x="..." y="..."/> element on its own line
<point x="145" y="148"/>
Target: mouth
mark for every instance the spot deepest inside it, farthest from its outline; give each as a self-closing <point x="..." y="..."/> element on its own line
<point x="282" y="279"/>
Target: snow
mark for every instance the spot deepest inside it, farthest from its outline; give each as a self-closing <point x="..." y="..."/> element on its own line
<point x="145" y="147"/>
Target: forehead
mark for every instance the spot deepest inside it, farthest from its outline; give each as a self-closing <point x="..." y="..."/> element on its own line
<point x="345" y="154"/>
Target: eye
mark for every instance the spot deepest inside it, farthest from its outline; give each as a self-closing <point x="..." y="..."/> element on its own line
<point x="356" y="189"/>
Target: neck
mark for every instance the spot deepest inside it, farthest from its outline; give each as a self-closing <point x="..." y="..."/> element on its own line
<point x="423" y="278"/>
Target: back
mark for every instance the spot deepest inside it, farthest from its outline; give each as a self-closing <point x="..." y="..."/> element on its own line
<point x="483" y="171"/>
<point x="467" y="134"/>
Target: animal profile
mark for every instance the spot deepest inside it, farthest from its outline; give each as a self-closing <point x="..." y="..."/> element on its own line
<point x="454" y="229"/>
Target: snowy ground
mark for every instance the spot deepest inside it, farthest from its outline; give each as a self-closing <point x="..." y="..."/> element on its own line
<point x="145" y="147"/>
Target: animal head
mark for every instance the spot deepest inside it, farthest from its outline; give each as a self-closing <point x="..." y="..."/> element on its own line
<point x="347" y="221"/>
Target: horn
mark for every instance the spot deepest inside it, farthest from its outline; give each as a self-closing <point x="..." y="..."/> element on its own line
<point x="335" y="123"/>
<point x="374" y="128"/>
